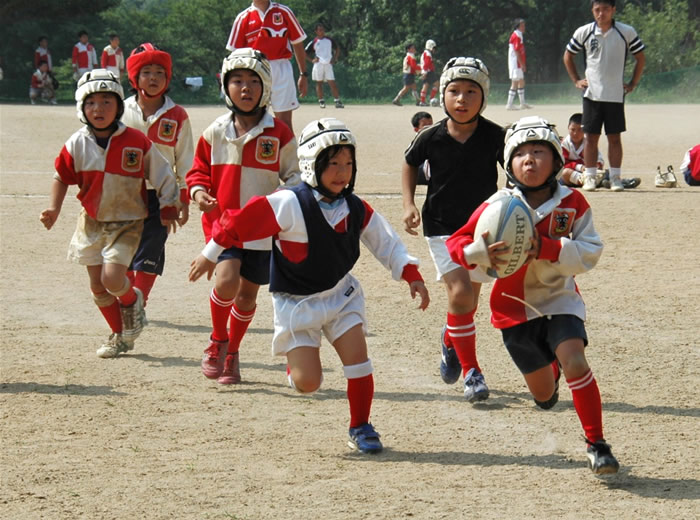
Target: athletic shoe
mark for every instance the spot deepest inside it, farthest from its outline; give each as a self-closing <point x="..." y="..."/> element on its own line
<point x="396" y="102"/>
<point x="321" y="103"/>
<point x="339" y="104"/>
<point x="475" y="388"/>
<point x="549" y="403"/>
<point x="524" y="106"/>
<point x="589" y="184"/>
<point x="422" y="104"/>
<point x="631" y="182"/>
<point x="616" y="184"/>
<point x="213" y="358"/>
<point x="133" y="317"/>
<point x="600" y="458"/>
<point x="114" y="346"/>
<point x="53" y="102"/>
<point x="32" y="101"/>
<point x="434" y="102"/>
<point x="450" y="368"/>
<point x="231" y="375"/>
<point x="365" y="438"/>
<point x="666" y="179"/>
<point x="511" y="107"/>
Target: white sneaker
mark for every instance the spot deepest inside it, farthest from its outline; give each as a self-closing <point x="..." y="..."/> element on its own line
<point x="666" y="179"/>
<point x="133" y="318"/>
<point x="525" y="106"/>
<point x="589" y="183"/>
<point x="616" y="184"/>
<point x="114" y="346"/>
<point x="511" y="107"/>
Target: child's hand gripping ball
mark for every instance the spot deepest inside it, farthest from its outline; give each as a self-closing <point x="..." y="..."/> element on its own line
<point x="507" y="219"/>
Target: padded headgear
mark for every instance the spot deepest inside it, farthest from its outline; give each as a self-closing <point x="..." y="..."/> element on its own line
<point x="251" y="59"/>
<point x="430" y="44"/>
<point x="148" y="54"/>
<point x="98" y="80"/>
<point x="528" y="130"/>
<point x="316" y="137"/>
<point x="472" y="69"/>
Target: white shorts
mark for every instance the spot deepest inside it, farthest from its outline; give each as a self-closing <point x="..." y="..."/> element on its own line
<point x="444" y="264"/>
<point x="284" y="90"/>
<point x="97" y="243"/>
<point x="322" y="72"/>
<point x="299" y="320"/>
<point x="516" y="73"/>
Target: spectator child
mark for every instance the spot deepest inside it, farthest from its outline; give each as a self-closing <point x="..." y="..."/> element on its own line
<point x="517" y="66"/>
<point x="84" y="58"/>
<point x="690" y="167"/>
<point x="240" y="155"/>
<point x="323" y="53"/>
<point x="419" y="121"/>
<point x="113" y="57"/>
<point x="42" y="53"/>
<point x="318" y="226"/>
<point x="42" y="85"/>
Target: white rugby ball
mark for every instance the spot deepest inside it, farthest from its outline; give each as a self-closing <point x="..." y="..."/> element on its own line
<point x="507" y="219"/>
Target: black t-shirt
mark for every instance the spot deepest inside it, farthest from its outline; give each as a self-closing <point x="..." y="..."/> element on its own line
<point x="462" y="176"/>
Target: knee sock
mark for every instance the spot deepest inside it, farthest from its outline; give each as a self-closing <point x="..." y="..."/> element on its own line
<point x="126" y="294"/>
<point x="433" y="92"/>
<point x="422" y="95"/>
<point x="219" y="316"/>
<point x="586" y="396"/>
<point x="238" y="326"/>
<point x="144" y="282"/>
<point x="360" y="391"/>
<point x="462" y="332"/>
<point x="521" y="95"/>
<point x="511" y="97"/>
<point x="109" y="307"/>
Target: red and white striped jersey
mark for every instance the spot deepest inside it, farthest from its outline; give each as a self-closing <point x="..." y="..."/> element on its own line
<point x="113" y="60"/>
<point x="40" y="79"/>
<point x="516" y="47"/>
<point x="271" y="32"/>
<point x="84" y="56"/>
<point x="280" y="215"/>
<point x="233" y="169"/>
<point x="410" y="65"/>
<point x="545" y="286"/>
<point x="170" y="131"/>
<point x="111" y="180"/>
<point x="426" y="61"/>
<point x="42" y="54"/>
<point x="573" y="155"/>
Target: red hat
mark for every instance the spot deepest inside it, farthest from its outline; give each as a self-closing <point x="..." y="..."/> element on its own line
<point x="148" y="54"/>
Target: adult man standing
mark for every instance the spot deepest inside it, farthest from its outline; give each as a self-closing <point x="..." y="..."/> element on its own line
<point x="606" y="44"/>
<point x="273" y="29"/>
<point x="516" y="65"/>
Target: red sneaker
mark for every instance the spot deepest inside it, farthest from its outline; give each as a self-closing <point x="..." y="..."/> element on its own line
<point x="213" y="358"/>
<point x="231" y="374"/>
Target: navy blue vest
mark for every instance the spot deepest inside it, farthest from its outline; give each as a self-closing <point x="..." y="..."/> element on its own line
<point x="331" y="255"/>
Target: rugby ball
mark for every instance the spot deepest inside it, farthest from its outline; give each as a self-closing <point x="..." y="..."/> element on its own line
<point x="507" y="219"/>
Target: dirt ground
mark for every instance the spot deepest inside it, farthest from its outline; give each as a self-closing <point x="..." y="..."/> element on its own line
<point x="147" y="436"/>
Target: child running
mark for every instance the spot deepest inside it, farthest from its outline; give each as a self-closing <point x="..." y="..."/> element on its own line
<point x="318" y="226"/>
<point x="240" y="155"/>
<point x="167" y="125"/>
<point x="539" y="309"/>
<point x="463" y="151"/>
<point x="109" y="162"/>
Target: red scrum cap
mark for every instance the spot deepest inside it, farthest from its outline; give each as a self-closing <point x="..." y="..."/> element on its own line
<point x="148" y="54"/>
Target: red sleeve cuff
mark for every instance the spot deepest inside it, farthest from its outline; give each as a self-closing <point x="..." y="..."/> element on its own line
<point x="411" y="274"/>
<point x="184" y="196"/>
<point x="168" y="212"/>
<point x="550" y="249"/>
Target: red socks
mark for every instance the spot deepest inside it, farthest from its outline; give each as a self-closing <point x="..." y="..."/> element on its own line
<point x="110" y="312"/>
<point x="219" y="315"/>
<point x="586" y="396"/>
<point x="360" y="394"/>
<point x="144" y="282"/>
<point x="462" y="336"/>
<point x="239" y="325"/>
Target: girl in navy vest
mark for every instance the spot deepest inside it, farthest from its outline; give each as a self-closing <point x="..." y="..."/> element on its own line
<point x="317" y="228"/>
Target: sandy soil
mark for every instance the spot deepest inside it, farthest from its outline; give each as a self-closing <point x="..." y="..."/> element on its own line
<point x="147" y="436"/>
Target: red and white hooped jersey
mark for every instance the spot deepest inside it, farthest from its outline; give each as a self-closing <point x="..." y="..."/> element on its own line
<point x="84" y="56"/>
<point x="279" y="215"/>
<point x="271" y="32"/>
<point x="234" y="169"/>
<point x="426" y="62"/>
<point x="111" y="180"/>
<point x="113" y="60"/>
<point x="545" y="286"/>
<point x="41" y="54"/>
<point x="410" y="65"/>
<point x="170" y="131"/>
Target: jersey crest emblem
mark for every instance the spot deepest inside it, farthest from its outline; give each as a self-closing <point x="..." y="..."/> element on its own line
<point x="277" y="18"/>
<point x="167" y="130"/>
<point x="267" y="149"/>
<point x="562" y="222"/>
<point x="594" y="45"/>
<point x="132" y="158"/>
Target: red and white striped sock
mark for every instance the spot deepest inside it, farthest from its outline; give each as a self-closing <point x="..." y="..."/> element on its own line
<point x="219" y="315"/>
<point x="462" y="333"/>
<point x="238" y="326"/>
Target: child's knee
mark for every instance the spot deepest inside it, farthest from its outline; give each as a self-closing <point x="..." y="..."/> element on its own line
<point x="575" y="365"/>
<point x="305" y="383"/>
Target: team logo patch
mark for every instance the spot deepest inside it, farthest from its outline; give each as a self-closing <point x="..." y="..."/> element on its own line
<point x="132" y="158"/>
<point x="561" y="223"/>
<point x="167" y="130"/>
<point x="267" y="149"/>
<point x="594" y="45"/>
<point x="277" y="18"/>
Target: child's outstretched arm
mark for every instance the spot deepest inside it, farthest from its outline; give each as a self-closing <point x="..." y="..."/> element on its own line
<point x="49" y="216"/>
<point x="418" y="287"/>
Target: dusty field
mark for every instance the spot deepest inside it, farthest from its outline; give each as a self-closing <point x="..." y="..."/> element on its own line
<point x="147" y="436"/>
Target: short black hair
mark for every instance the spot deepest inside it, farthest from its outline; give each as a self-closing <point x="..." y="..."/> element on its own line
<point x="112" y="36"/>
<point x="415" y="120"/>
<point x="80" y="34"/>
<point x="409" y="45"/>
<point x="611" y="3"/>
<point x="42" y="38"/>
<point x="576" y="118"/>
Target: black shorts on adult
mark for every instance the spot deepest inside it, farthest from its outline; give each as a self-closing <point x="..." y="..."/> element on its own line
<point x="532" y="344"/>
<point x="599" y="113"/>
<point x="409" y="79"/>
<point x="431" y="77"/>
<point x="255" y="265"/>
